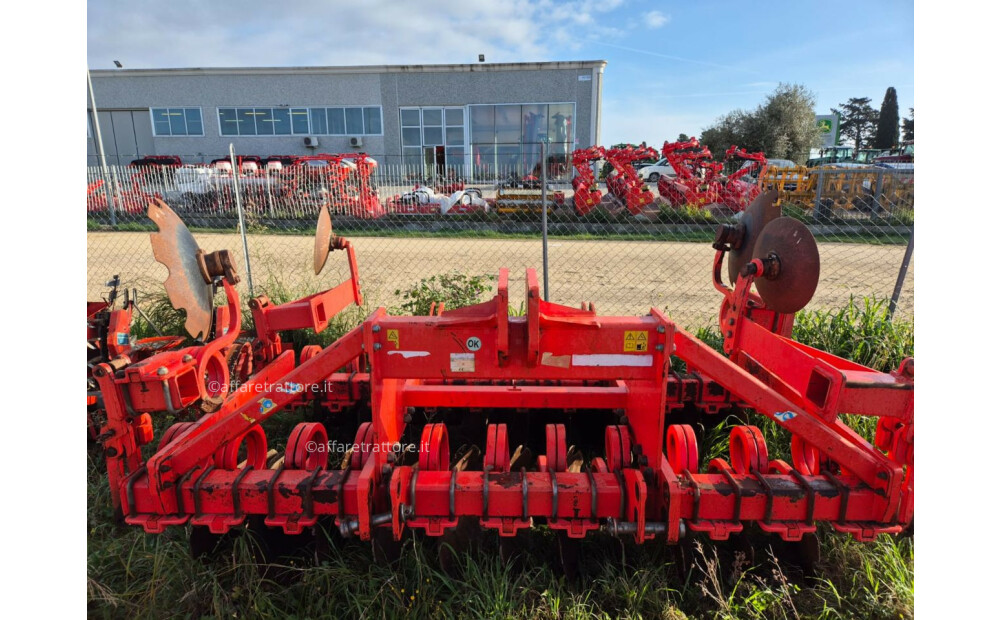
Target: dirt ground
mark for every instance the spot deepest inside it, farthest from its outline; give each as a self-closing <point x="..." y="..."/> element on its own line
<point x="620" y="277"/>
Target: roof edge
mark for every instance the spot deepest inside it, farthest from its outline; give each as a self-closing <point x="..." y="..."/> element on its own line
<point x="358" y="69"/>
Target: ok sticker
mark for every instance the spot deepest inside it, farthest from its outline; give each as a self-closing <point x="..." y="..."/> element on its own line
<point x="473" y="344"/>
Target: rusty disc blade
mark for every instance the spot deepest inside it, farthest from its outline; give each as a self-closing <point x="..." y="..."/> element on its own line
<point x="174" y="247"/>
<point x="798" y="274"/>
<point x="761" y="211"/>
<point x="321" y="245"/>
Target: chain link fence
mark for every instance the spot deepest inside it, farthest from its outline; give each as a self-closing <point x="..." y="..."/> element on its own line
<point x="412" y="222"/>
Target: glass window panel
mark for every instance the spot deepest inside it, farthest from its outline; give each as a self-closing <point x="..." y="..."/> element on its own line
<point x="432" y="136"/>
<point x="265" y="121"/>
<point x="413" y="158"/>
<point x="508" y="124"/>
<point x="244" y="121"/>
<point x="177" y="127"/>
<point x="336" y="116"/>
<point x="509" y="159"/>
<point x="355" y="121"/>
<point x="534" y="124"/>
<point x="455" y="135"/>
<point x="227" y="122"/>
<point x="409" y="118"/>
<point x="318" y="116"/>
<point x="373" y="121"/>
<point x="411" y="136"/>
<point x="161" y="122"/>
<point x="454" y="156"/>
<point x="432" y="116"/>
<point x="282" y="121"/>
<point x="300" y="121"/>
<point x="561" y="128"/>
<point x="481" y="123"/>
<point x="193" y="118"/>
<point x="454" y="117"/>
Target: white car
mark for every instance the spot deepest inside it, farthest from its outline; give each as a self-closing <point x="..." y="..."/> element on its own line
<point x="654" y="171"/>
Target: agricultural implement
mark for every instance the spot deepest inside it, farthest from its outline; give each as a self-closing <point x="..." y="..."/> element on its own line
<point x="623" y="181"/>
<point x="586" y="193"/>
<point x="695" y="182"/>
<point x="423" y="200"/>
<point x="743" y="186"/>
<point x="567" y="418"/>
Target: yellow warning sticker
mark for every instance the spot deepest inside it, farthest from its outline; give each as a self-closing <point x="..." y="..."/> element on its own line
<point x="392" y="336"/>
<point x="636" y="341"/>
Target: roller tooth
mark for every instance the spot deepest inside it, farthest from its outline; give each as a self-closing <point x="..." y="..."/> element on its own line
<point x="523" y="457"/>
<point x="471" y="458"/>
<point x="574" y="460"/>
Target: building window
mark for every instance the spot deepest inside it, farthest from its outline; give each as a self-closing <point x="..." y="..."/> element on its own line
<point x="507" y="138"/>
<point x="346" y="121"/>
<point x="433" y="137"/>
<point x="177" y="122"/>
<point x="264" y="121"/>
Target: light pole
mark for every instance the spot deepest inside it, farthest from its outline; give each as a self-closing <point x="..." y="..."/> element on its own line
<point x="100" y="151"/>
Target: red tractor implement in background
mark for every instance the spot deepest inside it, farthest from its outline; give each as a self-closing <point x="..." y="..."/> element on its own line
<point x="696" y="181"/>
<point x="744" y="185"/>
<point x="586" y="193"/>
<point x="623" y="181"/>
<point x="569" y="418"/>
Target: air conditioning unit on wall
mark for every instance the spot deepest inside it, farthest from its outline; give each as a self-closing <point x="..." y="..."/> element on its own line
<point x="356" y="141"/>
<point x="311" y="141"/>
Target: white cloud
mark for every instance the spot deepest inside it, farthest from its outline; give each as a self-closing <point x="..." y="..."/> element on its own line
<point x="187" y="33"/>
<point x="655" y="19"/>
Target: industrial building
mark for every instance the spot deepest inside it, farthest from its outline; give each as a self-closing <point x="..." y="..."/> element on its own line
<point x="483" y="115"/>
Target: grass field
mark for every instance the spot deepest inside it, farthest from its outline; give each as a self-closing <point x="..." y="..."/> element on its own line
<point x="131" y="574"/>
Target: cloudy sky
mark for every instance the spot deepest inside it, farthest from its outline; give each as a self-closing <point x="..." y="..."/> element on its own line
<point x="673" y="67"/>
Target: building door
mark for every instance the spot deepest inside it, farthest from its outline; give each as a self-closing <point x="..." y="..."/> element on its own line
<point x="126" y="135"/>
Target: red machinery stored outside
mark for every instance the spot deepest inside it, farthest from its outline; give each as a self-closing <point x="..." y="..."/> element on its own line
<point x="576" y="416"/>
<point x="699" y="181"/>
<point x="586" y="193"/>
<point x="623" y="181"/>
<point x="695" y="182"/>
<point x="743" y="186"/>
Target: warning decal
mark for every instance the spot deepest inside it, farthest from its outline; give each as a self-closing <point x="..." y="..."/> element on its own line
<point x="392" y="336"/>
<point x="636" y="341"/>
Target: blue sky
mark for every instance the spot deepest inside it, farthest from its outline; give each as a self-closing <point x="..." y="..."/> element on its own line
<point x="672" y="66"/>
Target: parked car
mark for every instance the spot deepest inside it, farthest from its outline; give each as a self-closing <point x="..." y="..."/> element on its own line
<point x="653" y="172"/>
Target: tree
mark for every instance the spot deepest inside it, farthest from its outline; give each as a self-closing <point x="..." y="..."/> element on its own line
<point x="857" y="120"/>
<point x="784" y="126"/>
<point x="908" y="127"/>
<point x="887" y="132"/>
<point x="683" y="138"/>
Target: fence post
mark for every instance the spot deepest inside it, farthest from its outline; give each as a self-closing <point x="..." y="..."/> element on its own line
<point x="239" y="211"/>
<point x="819" y="211"/>
<point x="903" y="268"/>
<point x="545" y="230"/>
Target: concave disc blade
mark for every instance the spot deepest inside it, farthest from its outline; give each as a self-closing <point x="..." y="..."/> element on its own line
<point x="798" y="276"/>
<point x="321" y="245"/>
<point x="174" y="247"/>
<point x="761" y="211"/>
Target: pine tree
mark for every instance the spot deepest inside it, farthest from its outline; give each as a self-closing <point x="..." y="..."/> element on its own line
<point x="857" y="120"/>
<point x="887" y="133"/>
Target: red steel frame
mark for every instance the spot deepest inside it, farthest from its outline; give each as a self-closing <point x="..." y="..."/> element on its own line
<point x="554" y="357"/>
<point x="586" y="193"/>
<point x="626" y="184"/>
